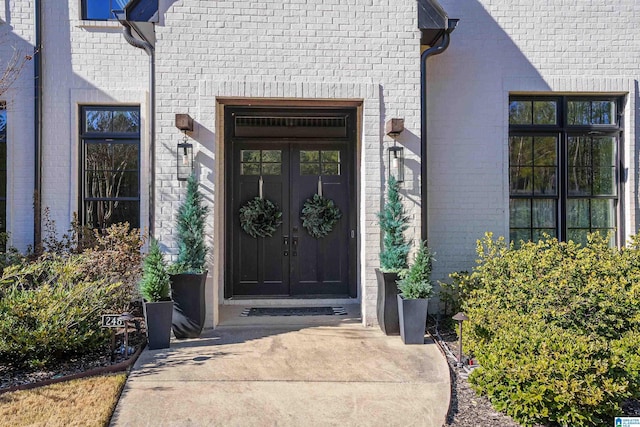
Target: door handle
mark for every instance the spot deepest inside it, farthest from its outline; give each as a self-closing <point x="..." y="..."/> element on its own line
<point x="294" y="246"/>
<point x="285" y="243"/>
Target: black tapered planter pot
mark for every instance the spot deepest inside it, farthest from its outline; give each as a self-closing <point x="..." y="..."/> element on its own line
<point x="157" y="316"/>
<point x="187" y="292"/>
<point x="387" y="308"/>
<point x="412" y="314"/>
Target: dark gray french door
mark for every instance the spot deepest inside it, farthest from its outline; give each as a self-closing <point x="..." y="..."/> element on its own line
<point x="291" y="262"/>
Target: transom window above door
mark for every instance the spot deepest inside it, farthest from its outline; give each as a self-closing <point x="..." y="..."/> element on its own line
<point x="564" y="167"/>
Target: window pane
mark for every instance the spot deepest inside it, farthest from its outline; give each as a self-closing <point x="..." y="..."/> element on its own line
<point x="97" y="9"/>
<point x="250" y="169"/>
<point x="250" y="155"/>
<point x="580" y="181"/>
<point x="331" y="156"/>
<point x="578" y="213"/>
<point x="520" y="150"/>
<point x="108" y="156"/>
<point x="604" y="151"/>
<point x="330" y="169"/>
<point x="544" y="113"/>
<point x="578" y="113"/>
<point x="272" y="156"/>
<point x="603" y="112"/>
<point x="126" y="121"/>
<point x="520" y="213"/>
<point x="544" y="214"/>
<point x="271" y="168"/>
<point x="3" y="215"/>
<point x="98" y="120"/>
<point x="3" y="156"/>
<point x="3" y="184"/>
<point x="3" y="123"/>
<point x="125" y="156"/>
<point x="578" y="236"/>
<point x="544" y="151"/>
<point x="310" y="169"/>
<point x="101" y="214"/>
<point x="602" y="213"/>
<point x="309" y="156"/>
<point x="543" y="234"/>
<point x="521" y="180"/>
<point x="604" y="181"/>
<point x="520" y="113"/>
<point x="579" y="151"/>
<point x="544" y="180"/>
<point x="107" y="183"/>
<point x="516" y="235"/>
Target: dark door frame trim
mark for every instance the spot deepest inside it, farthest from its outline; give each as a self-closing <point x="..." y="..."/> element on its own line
<point x="351" y="109"/>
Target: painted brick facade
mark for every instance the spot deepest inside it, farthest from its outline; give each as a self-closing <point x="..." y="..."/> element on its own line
<point x="502" y="47"/>
<point x="360" y="50"/>
<point x="357" y="50"/>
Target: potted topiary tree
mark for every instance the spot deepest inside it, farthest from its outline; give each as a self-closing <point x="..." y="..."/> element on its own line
<point x="188" y="274"/>
<point x="393" y="257"/>
<point x="157" y="306"/>
<point x="413" y="301"/>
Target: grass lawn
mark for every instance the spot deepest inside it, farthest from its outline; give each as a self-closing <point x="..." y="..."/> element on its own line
<point x="82" y="402"/>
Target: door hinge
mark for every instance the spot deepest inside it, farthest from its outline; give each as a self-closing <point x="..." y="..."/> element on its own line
<point x="353" y="234"/>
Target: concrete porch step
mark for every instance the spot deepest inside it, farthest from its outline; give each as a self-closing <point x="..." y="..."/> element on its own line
<point x="231" y="315"/>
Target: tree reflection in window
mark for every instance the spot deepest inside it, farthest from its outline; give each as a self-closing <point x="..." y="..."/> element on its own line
<point x="111" y="193"/>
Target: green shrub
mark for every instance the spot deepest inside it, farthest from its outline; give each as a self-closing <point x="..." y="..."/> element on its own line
<point x="49" y="313"/>
<point x="155" y="284"/>
<point x="192" y="213"/>
<point x="556" y="328"/>
<point x="416" y="281"/>
<point x="393" y="222"/>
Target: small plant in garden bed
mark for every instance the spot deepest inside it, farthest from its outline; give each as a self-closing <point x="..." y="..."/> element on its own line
<point x="556" y="329"/>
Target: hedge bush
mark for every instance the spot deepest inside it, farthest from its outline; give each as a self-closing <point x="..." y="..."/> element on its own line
<point x="50" y="306"/>
<point x="556" y="329"/>
<point x="49" y="313"/>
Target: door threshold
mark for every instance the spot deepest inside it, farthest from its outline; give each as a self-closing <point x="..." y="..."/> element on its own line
<point x="290" y="301"/>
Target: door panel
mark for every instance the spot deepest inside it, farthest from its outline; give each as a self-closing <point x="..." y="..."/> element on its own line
<point x="259" y="266"/>
<point x="320" y="265"/>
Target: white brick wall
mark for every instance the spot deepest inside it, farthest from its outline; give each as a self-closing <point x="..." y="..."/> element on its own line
<point x="16" y="35"/>
<point x="364" y="50"/>
<point x="85" y="62"/>
<point x="504" y="46"/>
<point x="358" y="49"/>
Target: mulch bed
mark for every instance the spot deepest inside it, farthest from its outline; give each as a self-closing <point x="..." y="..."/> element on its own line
<point x="467" y="409"/>
<point x="11" y="378"/>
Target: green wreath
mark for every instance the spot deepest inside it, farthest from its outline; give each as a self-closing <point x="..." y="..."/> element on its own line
<point x="319" y="215"/>
<point x="260" y="217"/>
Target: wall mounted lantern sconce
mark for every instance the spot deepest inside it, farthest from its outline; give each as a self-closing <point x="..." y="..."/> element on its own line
<point x="394" y="128"/>
<point x="184" y="152"/>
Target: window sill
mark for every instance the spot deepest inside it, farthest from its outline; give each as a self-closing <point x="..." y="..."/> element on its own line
<point x="88" y="23"/>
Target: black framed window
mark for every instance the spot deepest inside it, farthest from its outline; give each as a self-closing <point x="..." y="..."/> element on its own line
<point x="564" y="166"/>
<point x="110" y="166"/>
<point x="101" y="10"/>
<point x="3" y="167"/>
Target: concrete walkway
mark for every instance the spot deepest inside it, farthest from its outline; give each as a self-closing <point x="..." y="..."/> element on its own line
<point x="343" y="374"/>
